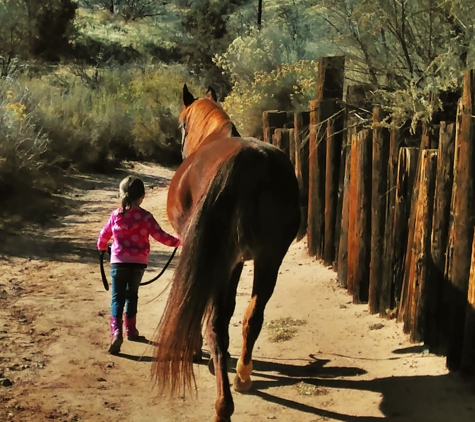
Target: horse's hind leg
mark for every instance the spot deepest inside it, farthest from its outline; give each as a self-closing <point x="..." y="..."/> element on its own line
<point x="218" y="340"/>
<point x="265" y="276"/>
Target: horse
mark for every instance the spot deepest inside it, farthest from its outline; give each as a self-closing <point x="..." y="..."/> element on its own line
<point x="232" y="199"/>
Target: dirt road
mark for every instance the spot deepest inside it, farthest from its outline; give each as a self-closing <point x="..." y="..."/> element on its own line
<point x="319" y="357"/>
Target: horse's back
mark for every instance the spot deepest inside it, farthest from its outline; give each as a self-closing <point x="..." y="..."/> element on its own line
<point x="264" y="187"/>
<point x="256" y="177"/>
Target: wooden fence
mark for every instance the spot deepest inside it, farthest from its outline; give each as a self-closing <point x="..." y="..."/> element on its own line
<point x="392" y="213"/>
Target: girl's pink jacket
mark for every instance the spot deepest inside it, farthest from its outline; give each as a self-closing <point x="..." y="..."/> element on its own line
<point x="130" y="234"/>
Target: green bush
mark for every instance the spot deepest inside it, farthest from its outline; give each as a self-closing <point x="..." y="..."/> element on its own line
<point x="22" y="146"/>
<point x="264" y="77"/>
<point x="86" y="119"/>
<point x="97" y="118"/>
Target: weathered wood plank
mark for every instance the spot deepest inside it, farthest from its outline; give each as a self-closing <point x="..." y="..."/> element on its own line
<point x="330" y="77"/>
<point x="315" y="196"/>
<point x="301" y="136"/>
<point x="461" y="233"/>
<point x="407" y="169"/>
<point x="415" y="301"/>
<point x="359" y="227"/>
<point x="468" y="354"/>
<point x="342" y="258"/>
<point x="334" y="139"/>
<point x="329" y="93"/>
<point x="385" y="302"/>
<point x="436" y="332"/>
<point x="380" y="157"/>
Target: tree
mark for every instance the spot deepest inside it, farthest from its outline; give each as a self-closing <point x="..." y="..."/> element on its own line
<point x="206" y="26"/>
<point x="296" y="24"/>
<point x="50" y="26"/>
<point x="13" y="36"/>
<point x="128" y="9"/>
<point x="412" y="48"/>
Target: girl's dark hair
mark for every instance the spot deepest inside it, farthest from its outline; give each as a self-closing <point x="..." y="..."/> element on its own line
<point x="131" y="189"/>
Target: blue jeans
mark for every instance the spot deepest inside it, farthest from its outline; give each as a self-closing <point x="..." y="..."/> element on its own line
<point x="125" y="280"/>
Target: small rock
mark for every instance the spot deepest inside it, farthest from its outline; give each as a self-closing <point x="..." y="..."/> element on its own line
<point x="5" y="382"/>
<point x="376" y="326"/>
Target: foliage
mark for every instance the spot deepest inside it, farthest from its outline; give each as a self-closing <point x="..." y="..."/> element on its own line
<point x="288" y="87"/>
<point x="265" y="77"/>
<point x="60" y="122"/>
<point x="410" y="51"/>
<point x="206" y="27"/>
<point x="128" y="113"/>
<point x="119" y="66"/>
<point x="21" y="145"/>
<point x="295" y="25"/>
<point x="34" y="29"/>
<point x="127" y="9"/>
<point x="50" y="26"/>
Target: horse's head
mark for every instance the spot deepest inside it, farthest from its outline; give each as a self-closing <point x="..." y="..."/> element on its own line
<point x="202" y="119"/>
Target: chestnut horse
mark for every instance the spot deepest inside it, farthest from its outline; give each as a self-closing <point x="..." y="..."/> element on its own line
<point x="232" y="199"/>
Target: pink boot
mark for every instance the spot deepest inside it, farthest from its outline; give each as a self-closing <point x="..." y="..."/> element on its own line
<point x="130" y="329"/>
<point x="116" y="336"/>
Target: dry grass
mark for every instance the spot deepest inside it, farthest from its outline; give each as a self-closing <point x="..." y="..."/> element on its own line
<point x="283" y="329"/>
<point x="305" y="389"/>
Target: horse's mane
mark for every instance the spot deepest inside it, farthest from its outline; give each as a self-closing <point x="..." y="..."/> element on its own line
<point x="203" y="118"/>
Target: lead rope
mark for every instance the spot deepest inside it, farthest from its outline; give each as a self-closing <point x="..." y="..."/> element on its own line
<point x="103" y="273"/>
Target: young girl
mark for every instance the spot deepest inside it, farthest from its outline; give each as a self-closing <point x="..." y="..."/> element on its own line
<point x="130" y="227"/>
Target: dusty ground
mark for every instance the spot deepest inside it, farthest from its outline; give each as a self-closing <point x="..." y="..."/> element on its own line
<point x="341" y="364"/>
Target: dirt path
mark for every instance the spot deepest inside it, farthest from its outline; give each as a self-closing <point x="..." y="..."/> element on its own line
<point x="332" y="361"/>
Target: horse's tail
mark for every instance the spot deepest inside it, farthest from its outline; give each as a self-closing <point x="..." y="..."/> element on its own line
<point x="205" y="264"/>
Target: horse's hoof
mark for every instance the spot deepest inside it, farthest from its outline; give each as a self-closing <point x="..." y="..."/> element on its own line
<point x="241" y="386"/>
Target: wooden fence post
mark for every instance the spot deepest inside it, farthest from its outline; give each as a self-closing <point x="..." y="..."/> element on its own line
<point x="406" y="178"/>
<point x="424" y="144"/>
<point x="394" y="146"/>
<point x="277" y="138"/>
<point x="329" y="89"/>
<point x="436" y="334"/>
<point x="315" y="190"/>
<point x="283" y="139"/>
<point x="342" y="259"/>
<point x="378" y="207"/>
<point x="468" y="355"/>
<point x="334" y="137"/>
<point x="461" y="233"/>
<point x="291" y="145"/>
<point x="273" y="119"/>
<point x="301" y="129"/>
<point x="415" y="301"/>
<point x="359" y="220"/>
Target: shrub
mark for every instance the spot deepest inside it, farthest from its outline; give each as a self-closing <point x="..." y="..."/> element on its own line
<point x="265" y="77"/>
<point x="22" y="145"/>
<point x="288" y="87"/>
<point x="97" y="117"/>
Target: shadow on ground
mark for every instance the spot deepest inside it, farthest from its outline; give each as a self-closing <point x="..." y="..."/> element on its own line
<point x="25" y="220"/>
<point x="409" y="399"/>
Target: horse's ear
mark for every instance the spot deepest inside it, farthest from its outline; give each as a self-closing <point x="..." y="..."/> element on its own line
<point x="187" y="96"/>
<point x="211" y="94"/>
